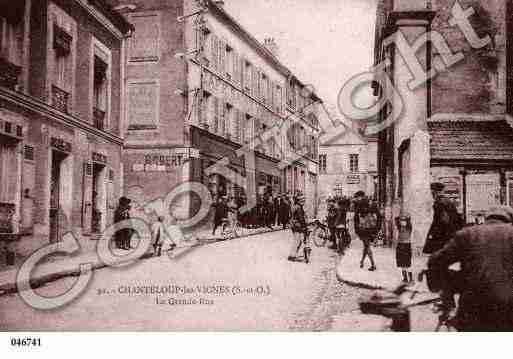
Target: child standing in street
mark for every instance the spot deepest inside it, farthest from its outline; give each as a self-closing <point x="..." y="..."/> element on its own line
<point x="403" y="250"/>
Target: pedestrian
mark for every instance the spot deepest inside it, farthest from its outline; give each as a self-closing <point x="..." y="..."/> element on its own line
<point x="220" y="213"/>
<point x="276" y="206"/>
<point x="446" y="221"/>
<point x="366" y="227"/>
<point x="298" y="226"/>
<point x="284" y="211"/>
<point x="342" y="232"/>
<point x="268" y="211"/>
<point x="160" y="238"/>
<point x="331" y="219"/>
<point x="122" y="213"/>
<point x="232" y="214"/>
<point x="403" y="251"/>
<point x="485" y="281"/>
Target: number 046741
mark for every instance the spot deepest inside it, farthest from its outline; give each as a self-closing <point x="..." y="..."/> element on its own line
<point x="26" y="342"/>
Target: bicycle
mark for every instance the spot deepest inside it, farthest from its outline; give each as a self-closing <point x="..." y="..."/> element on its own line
<point x="230" y="230"/>
<point x="320" y="233"/>
<point x="392" y="304"/>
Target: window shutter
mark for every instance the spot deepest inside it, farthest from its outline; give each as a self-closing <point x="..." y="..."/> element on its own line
<point x="222" y="57"/>
<point x="254" y="80"/>
<point x="242" y="65"/>
<point x="215" y="125"/>
<point x="223" y="117"/>
<point x="215" y="52"/>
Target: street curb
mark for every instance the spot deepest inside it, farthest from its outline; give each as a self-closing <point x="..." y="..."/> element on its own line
<point x="11" y="288"/>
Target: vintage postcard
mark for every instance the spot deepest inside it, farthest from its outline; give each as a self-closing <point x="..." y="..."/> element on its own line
<point x="242" y="165"/>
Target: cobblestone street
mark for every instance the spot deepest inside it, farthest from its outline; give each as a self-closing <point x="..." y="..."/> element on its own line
<point x="243" y="284"/>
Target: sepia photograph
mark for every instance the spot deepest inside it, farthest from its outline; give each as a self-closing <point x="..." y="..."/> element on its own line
<point x="255" y="166"/>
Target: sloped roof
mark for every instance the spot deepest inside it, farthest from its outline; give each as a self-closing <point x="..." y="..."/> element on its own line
<point x="470" y="139"/>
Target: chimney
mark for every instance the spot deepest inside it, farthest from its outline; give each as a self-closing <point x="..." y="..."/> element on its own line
<point x="271" y="45"/>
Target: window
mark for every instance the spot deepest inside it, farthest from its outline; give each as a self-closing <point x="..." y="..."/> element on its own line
<point x="247" y="76"/>
<point x="222" y="57"/>
<point x="63" y="29"/>
<point x="205" y="109"/>
<point x="216" y="114"/>
<point x="264" y="86"/>
<point x="205" y="39"/>
<point x="226" y="120"/>
<point x="230" y="63"/>
<point x="322" y="163"/>
<point x="8" y="171"/>
<point x="291" y="95"/>
<point x="214" y="50"/>
<point x="101" y="84"/>
<point x="278" y="99"/>
<point x="353" y="163"/>
<point x="11" y="42"/>
<point x="248" y="129"/>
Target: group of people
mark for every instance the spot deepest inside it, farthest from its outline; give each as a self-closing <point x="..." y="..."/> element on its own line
<point x="367" y="222"/>
<point x="269" y="211"/>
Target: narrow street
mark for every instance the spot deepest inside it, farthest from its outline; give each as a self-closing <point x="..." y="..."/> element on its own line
<point x="243" y="284"/>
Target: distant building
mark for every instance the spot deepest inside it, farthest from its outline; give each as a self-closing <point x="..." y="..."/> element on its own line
<point x="199" y="88"/>
<point x="456" y="128"/>
<point x="348" y="165"/>
<point x="61" y="111"/>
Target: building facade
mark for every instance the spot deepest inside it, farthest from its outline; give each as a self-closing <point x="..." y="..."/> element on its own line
<point x="456" y="126"/>
<point x="60" y="116"/>
<point x="348" y="165"/>
<point x="200" y="89"/>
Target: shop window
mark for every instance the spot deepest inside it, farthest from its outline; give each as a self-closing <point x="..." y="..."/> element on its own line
<point x="353" y="163"/>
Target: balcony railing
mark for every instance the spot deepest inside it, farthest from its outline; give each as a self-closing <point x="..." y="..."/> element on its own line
<point x="99" y="118"/>
<point x="60" y="99"/>
<point x="9" y="74"/>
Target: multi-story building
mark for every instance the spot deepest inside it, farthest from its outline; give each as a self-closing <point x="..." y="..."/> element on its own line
<point x="348" y="165"/>
<point x="61" y="109"/>
<point x="199" y="89"/>
<point x="456" y="123"/>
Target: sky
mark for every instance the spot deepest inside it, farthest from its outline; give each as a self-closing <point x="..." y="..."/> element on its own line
<point x="324" y="42"/>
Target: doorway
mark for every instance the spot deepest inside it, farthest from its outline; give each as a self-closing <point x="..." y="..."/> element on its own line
<point x="55" y="194"/>
<point x="98" y="199"/>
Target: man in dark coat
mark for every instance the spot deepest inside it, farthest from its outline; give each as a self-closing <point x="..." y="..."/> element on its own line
<point x="446" y="221"/>
<point x="485" y="282"/>
<point x="284" y="211"/>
